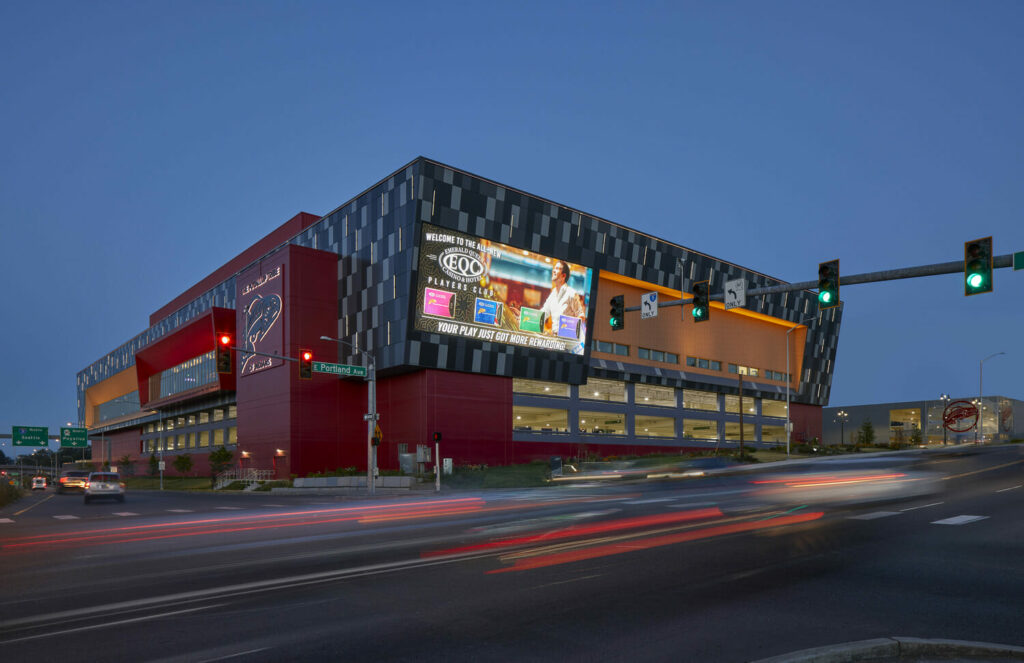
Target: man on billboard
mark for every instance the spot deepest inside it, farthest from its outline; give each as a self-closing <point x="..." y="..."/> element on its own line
<point x="562" y="300"/>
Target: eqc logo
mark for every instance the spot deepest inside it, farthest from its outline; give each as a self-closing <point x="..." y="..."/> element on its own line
<point x="461" y="264"/>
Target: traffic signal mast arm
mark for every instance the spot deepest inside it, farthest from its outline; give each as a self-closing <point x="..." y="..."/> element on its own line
<point x="955" y="267"/>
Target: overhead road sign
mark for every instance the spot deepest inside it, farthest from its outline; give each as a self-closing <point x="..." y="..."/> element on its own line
<point x="735" y="293"/>
<point x="338" y="369"/>
<point x="649" y="305"/>
<point x="1018" y="260"/>
<point x="30" y="436"/>
<point x="74" y="437"/>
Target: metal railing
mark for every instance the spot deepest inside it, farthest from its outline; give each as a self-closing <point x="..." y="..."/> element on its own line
<point x="249" y="476"/>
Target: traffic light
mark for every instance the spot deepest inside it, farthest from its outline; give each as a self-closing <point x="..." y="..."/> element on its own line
<point x="828" y="284"/>
<point x="224" y="353"/>
<point x="305" y="364"/>
<point x="978" y="266"/>
<point x="617" y="318"/>
<point x="701" y="310"/>
<point x="437" y="437"/>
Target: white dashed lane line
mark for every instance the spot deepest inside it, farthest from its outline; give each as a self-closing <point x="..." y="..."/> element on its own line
<point x="180" y="510"/>
<point x="958" y="520"/>
<point x="230" y="508"/>
<point x="1010" y="488"/>
<point x="6" y="520"/>
<point x="875" y="514"/>
<point x="125" y="513"/>
<point x="66" y="517"/>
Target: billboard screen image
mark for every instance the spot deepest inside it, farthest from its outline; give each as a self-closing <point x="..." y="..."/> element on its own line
<point x="477" y="288"/>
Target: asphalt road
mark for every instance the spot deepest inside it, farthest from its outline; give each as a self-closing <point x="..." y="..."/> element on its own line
<point x="715" y="569"/>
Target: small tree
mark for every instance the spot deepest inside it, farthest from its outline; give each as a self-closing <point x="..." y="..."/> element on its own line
<point x="183" y="463"/>
<point x="154" y="465"/>
<point x="125" y="465"/>
<point x="915" y="437"/>
<point x="220" y="459"/>
<point x="866" y="434"/>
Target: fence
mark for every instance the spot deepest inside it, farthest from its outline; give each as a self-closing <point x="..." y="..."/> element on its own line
<point x="250" y="477"/>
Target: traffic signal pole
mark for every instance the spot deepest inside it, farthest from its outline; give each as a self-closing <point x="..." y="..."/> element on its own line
<point x="954" y="267"/>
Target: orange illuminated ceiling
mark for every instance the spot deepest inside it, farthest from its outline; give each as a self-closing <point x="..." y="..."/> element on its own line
<point x="676" y="294"/>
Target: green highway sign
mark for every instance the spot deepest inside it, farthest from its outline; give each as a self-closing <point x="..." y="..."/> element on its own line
<point x="30" y="436"/>
<point x="1018" y="260"/>
<point x="74" y="437"/>
<point x="338" y="369"/>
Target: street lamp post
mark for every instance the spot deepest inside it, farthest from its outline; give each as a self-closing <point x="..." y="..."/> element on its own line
<point x="842" y="416"/>
<point x="789" y="380"/>
<point x="371" y="409"/>
<point x="942" y="417"/>
<point x="981" y="397"/>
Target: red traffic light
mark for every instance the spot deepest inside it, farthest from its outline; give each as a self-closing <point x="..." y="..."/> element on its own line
<point x="307" y="355"/>
<point x="225" y="339"/>
<point x="305" y="364"/>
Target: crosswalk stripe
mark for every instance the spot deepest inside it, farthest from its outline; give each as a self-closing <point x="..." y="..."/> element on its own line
<point x="958" y="520"/>
<point x="874" y="514"/>
<point x="6" y="520"/>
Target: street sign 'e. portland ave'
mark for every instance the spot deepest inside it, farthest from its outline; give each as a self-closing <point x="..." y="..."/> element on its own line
<point x="338" y="369"/>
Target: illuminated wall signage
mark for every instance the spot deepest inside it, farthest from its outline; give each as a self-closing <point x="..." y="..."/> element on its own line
<point x="260" y="305"/>
<point x="481" y="289"/>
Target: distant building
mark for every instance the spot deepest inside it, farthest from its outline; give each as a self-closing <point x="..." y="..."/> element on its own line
<point x="1002" y="420"/>
<point x="449" y="280"/>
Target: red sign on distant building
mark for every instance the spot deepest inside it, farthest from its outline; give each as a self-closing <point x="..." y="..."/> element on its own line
<point x="960" y="416"/>
<point x="260" y="304"/>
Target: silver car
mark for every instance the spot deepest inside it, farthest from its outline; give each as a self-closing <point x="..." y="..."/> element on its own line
<point x="104" y="484"/>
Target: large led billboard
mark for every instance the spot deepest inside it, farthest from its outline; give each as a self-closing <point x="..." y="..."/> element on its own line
<point x="476" y="288"/>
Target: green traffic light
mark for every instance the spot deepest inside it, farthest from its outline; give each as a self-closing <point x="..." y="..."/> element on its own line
<point x="697" y="311"/>
<point x="613" y="321"/>
<point x="975" y="280"/>
<point x="825" y="296"/>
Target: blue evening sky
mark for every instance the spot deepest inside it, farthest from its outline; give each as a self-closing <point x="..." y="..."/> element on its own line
<point x="146" y="143"/>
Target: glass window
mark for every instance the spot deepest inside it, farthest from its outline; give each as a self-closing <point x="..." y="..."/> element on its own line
<point x="733" y="368"/>
<point x="645" y="426"/>
<point x="191" y="420"/>
<point x="716" y="365"/>
<point x="753" y="373"/>
<point x="773" y="434"/>
<point x="742" y="370"/>
<point x="232" y="412"/>
<point x="233" y="435"/>
<point x="204" y="417"/>
<point x="204" y="438"/>
<point x="546" y="420"/>
<point x="180" y="441"/>
<point x="703" y="363"/>
<point x="671" y="358"/>
<point x="691" y="361"/>
<point x="657" y="355"/>
<point x="603" y="423"/>
<point x="218" y="437"/>
<point x="700" y="400"/>
<point x="149" y="428"/>
<point x="732" y="431"/>
<point x="603" y="346"/>
<point x="170" y="424"/>
<point x="218" y="414"/>
<point x="700" y="429"/>
<point x="643" y="353"/>
<point x="597" y="389"/>
<point x="521" y="386"/>
<point x="622" y="350"/>
<point x="732" y="404"/>
<point x="648" y="394"/>
<point x="773" y="408"/>
<point x="180" y="423"/>
<point x="191" y="437"/>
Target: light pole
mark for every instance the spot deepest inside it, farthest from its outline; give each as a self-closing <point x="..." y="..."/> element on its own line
<point x="981" y="397"/>
<point x="841" y="417"/>
<point x="942" y="417"/>
<point x="789" y="381"/>
<point x="371" y="409"/>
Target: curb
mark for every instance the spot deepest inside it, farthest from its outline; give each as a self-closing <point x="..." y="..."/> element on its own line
<point x="897" y="648"/>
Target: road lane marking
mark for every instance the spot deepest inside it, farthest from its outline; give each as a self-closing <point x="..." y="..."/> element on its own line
<point x="1010" y="488"/>
<point x="274" y="505"/>
<point x="6" y="520"/>
<point x="875" y="514"/>
<point x="66" y="517"/>
<point x="652" y="500"/>
<point x="984" y="469"/>
<point x="125" y="513"/>
<point x="923" y="506"/>
<point x="229" y="508"/>
<point x="958" y="520"/>
<point x="121" y="622"/>
<point x="181" y="510"/>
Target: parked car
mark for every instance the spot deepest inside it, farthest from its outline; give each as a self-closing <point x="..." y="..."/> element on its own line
<point x="72" y="480"/>
<point x="38" y="483"/>
<point x="104" y="484"/>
